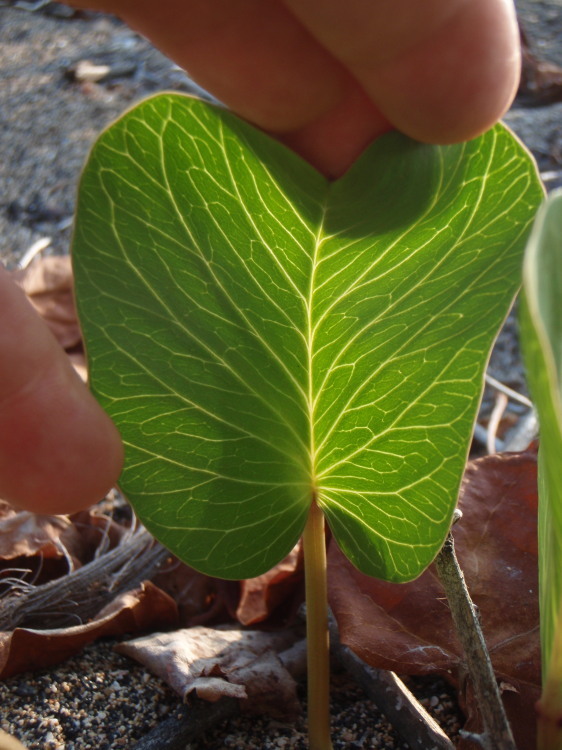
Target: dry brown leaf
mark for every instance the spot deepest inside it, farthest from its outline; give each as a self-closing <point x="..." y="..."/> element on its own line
<point x="40" y="548"/>
<point x="25" y="649"/>
<point x="408" y="628"/>
<point x="260" y="596"/>
<point x="200" y="598"/>
<point x="219" y="662"/>
<point x="25" y="533"/>
<point x="48" y="283"/>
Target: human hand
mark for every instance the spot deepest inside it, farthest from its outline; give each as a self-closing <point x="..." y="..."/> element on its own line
<point x="326" y="77"/>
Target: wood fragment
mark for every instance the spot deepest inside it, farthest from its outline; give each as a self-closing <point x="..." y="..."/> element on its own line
<point x="494" y="421"/>
<point x="408" y="717"/>
<point x="174" y="733"/>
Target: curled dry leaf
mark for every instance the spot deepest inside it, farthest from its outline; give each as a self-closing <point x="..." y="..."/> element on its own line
<point x="24" y="533"/>
<point x="39" y="548"/>
<point x="408" y="628"/>
<point x="203" y="600"/>
<point x="200" y="598"/>
<point x="217" y="662"/>
<point x="260" y="596"/>
<point x="36" y="547"/>
<point x="140" y="610"/>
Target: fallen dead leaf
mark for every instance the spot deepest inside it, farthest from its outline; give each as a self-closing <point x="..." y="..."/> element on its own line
<point x="144" y="609"/>
<point x="37" y="548"/>
<point x="200" y="599"/>
<point x="220" y="662"/>
<point x="407" y="628"/>
<point x="260" y="596"/>
<point x="24" y="533"/>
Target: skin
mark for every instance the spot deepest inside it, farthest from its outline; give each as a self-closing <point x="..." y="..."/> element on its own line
<point x="324" y="76"/>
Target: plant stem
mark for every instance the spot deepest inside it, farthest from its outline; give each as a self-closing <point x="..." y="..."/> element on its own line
<point x="548" y="708"/>
<point x="317" y="634"/>
<point x="498" y="735"/>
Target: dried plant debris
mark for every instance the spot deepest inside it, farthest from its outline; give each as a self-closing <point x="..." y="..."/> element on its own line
<point x="224" y="662"/>
<point x="140" y="610"/>
<point x="356" y="724"/>
<point x="24" y="534"/>
<point x="81" y="593"/>
<point x="261" y="596"/>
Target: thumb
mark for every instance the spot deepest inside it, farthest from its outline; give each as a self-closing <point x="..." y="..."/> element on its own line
<point x="59" y="451"/>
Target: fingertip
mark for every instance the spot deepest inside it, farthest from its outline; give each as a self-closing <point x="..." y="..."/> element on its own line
<point x="332" y="142"/>
<point x="59" y="451"/>
<point x="458" y="84"/>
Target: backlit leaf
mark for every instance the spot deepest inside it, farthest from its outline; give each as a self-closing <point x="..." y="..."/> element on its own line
<point x="262" y="336"/>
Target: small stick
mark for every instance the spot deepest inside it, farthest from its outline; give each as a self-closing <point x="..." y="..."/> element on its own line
<point x="190" y="723"/>
<point x="408" y="717"/>
<point x="507" y="390"/>
<point x="34" y="250"/>
<point x="497" y="735"/>
<point x="494" y="423"/>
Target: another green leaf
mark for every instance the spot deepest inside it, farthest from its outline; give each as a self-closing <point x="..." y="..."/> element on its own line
<point x="262" y="336"/>
<point x="541" y="324"/>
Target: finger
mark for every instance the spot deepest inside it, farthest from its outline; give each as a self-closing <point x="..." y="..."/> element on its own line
<point x="333" y="141"/>
<point x="254" y="56"/>
<point x="263" y="64"/>
<point x="59" y="451"/>
<point x="441" y="71"/>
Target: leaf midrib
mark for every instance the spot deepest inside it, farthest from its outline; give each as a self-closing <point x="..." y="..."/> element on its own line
<point x="310" y="336"/>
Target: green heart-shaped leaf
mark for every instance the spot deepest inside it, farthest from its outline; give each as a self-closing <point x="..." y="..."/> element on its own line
<point x="262" y="336"/>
